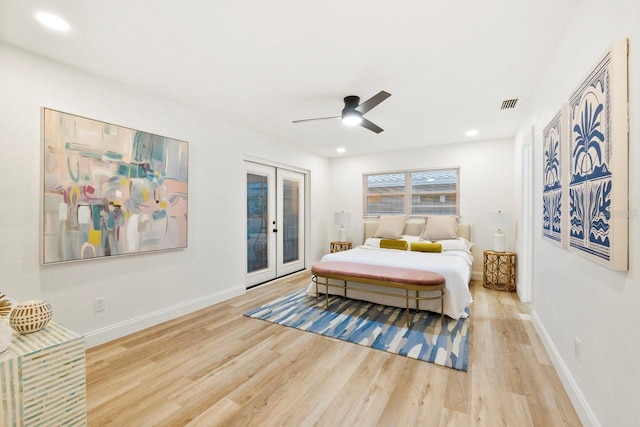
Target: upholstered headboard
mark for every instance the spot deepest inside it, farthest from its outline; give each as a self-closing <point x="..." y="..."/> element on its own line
<point x="414" y="227"/>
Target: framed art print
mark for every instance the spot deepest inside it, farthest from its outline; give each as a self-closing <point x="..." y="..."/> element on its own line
<point x="598" y="187"/>
<point x="110" y="190"/>
<point x="554" y="204"/>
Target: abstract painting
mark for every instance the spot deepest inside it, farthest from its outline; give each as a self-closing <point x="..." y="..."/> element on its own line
<point x="110" y="190"/>
<point x="553" y="204"/>
<point x="598" y="189"/>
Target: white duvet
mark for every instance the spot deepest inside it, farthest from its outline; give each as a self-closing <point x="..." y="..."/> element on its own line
<point x="455" y="266"/>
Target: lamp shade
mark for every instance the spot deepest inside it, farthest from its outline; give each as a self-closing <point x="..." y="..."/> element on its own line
<point x="499" y="221"/>
<point x="341" y="218"/>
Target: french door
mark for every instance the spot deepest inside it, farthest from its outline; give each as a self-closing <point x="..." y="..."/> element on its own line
<point x="275" y="222"/>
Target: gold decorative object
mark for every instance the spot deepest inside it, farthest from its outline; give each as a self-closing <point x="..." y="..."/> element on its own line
<point x="5" y="305"/>
<point x="30" y="316"/>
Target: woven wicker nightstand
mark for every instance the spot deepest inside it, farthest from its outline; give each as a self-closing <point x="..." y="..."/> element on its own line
<point x="499" y="271"/>
<point x="340" y="246"/>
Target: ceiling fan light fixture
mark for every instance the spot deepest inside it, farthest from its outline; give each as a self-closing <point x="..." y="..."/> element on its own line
<point x="351" y="118"/>
<point x="353" y="111"/>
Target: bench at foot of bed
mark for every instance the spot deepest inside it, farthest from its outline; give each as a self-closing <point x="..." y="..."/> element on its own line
<point x="409" y="279"/>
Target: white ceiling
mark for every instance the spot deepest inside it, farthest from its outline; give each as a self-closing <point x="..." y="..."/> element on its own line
<point x="261" y="64"/>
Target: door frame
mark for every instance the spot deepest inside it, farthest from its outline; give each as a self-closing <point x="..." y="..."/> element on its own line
<point x="525" y="288"/>
<point x="307" y="210"/>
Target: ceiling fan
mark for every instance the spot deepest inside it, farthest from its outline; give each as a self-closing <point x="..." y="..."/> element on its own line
<point x="353" y="111"/>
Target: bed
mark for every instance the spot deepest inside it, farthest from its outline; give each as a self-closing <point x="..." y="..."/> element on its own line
<point x="454" y="263"/>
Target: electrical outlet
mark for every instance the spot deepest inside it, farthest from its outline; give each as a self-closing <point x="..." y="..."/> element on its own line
<point x="98" y="305"/>
<point x="578" y="348"/>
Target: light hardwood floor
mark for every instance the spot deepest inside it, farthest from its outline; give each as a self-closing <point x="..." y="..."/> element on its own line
<point x="216" y="367"/>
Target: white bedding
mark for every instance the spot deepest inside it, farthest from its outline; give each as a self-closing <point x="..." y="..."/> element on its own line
<point x="454" y="265"/>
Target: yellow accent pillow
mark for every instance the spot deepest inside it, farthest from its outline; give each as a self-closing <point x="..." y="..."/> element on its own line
<point x="426" y="247"/>
<point x="401" y="245"/>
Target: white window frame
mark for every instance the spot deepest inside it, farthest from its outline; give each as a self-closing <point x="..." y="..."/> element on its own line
<point x="408" y="192"/>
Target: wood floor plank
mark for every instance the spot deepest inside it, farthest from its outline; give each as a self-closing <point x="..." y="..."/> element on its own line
<point x="347" y="402"/>
<point x="215" y="367"/>
<point x="374" y="399"/>
<point x="315" y="405"/>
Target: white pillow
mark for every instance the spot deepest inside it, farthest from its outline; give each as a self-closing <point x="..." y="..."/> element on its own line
<point x="440" y="228"/>
<point x="459" y="244"/>
<point x="390" y="227"/>
<point x="374" y="242"/>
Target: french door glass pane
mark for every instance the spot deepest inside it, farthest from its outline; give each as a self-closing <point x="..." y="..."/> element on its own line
<point x="291" y="220"/>
<point x="257" y="226"/>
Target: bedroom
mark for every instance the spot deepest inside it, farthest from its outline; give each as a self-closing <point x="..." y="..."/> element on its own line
<point x="572" y="297"/>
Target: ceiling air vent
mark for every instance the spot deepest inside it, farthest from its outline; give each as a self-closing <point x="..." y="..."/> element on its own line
<point x="508" y="104"/>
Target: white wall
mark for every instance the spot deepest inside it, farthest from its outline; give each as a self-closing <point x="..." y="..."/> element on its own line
<point x="486" y="184"/>
<point x="573" y="297"/>
<point x="139" y="290"/>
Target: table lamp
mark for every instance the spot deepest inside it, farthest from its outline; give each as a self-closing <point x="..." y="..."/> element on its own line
<point x="499" y="221"/>
<point x="341" y="218"/>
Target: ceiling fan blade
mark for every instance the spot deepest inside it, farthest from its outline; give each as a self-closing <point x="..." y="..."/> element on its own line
<point x="371" y="126"/>
<point x="317" y="118"/>
<point x="373" y="101"/>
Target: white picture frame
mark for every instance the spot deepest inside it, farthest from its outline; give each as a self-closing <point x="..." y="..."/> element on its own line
<point x="598" y="168"/>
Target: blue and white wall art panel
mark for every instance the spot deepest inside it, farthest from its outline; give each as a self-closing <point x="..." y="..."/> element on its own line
<point x="598" y="189"/>
<point x="554" y="179"/>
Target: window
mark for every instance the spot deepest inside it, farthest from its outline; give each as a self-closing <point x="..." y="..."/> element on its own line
<point x="417" y="192"/>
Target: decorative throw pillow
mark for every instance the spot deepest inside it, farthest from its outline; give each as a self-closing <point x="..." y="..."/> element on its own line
<point x="440" y="228"/>
<point x="413" y="228"/>
<point x="426" y="247"/>
<point x="390" y="227"/>
<point x="401" y="245"/>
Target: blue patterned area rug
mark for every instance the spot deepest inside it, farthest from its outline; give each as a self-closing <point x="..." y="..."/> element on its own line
<point x="373" y="325"/>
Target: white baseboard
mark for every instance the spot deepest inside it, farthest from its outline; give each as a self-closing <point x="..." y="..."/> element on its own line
<point x="118" y="330"/>
<point x="580" y="404"/>
<point x="476" y="275"/>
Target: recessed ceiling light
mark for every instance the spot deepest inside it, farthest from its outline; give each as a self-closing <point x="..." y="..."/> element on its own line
<point x="472" y="132"/>
<point x="341" y="149"/>
<point x="53" y="22"/>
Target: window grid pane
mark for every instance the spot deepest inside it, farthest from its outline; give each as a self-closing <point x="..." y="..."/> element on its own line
<point x="385" y="194"/>
<point x="434" y="192"/>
